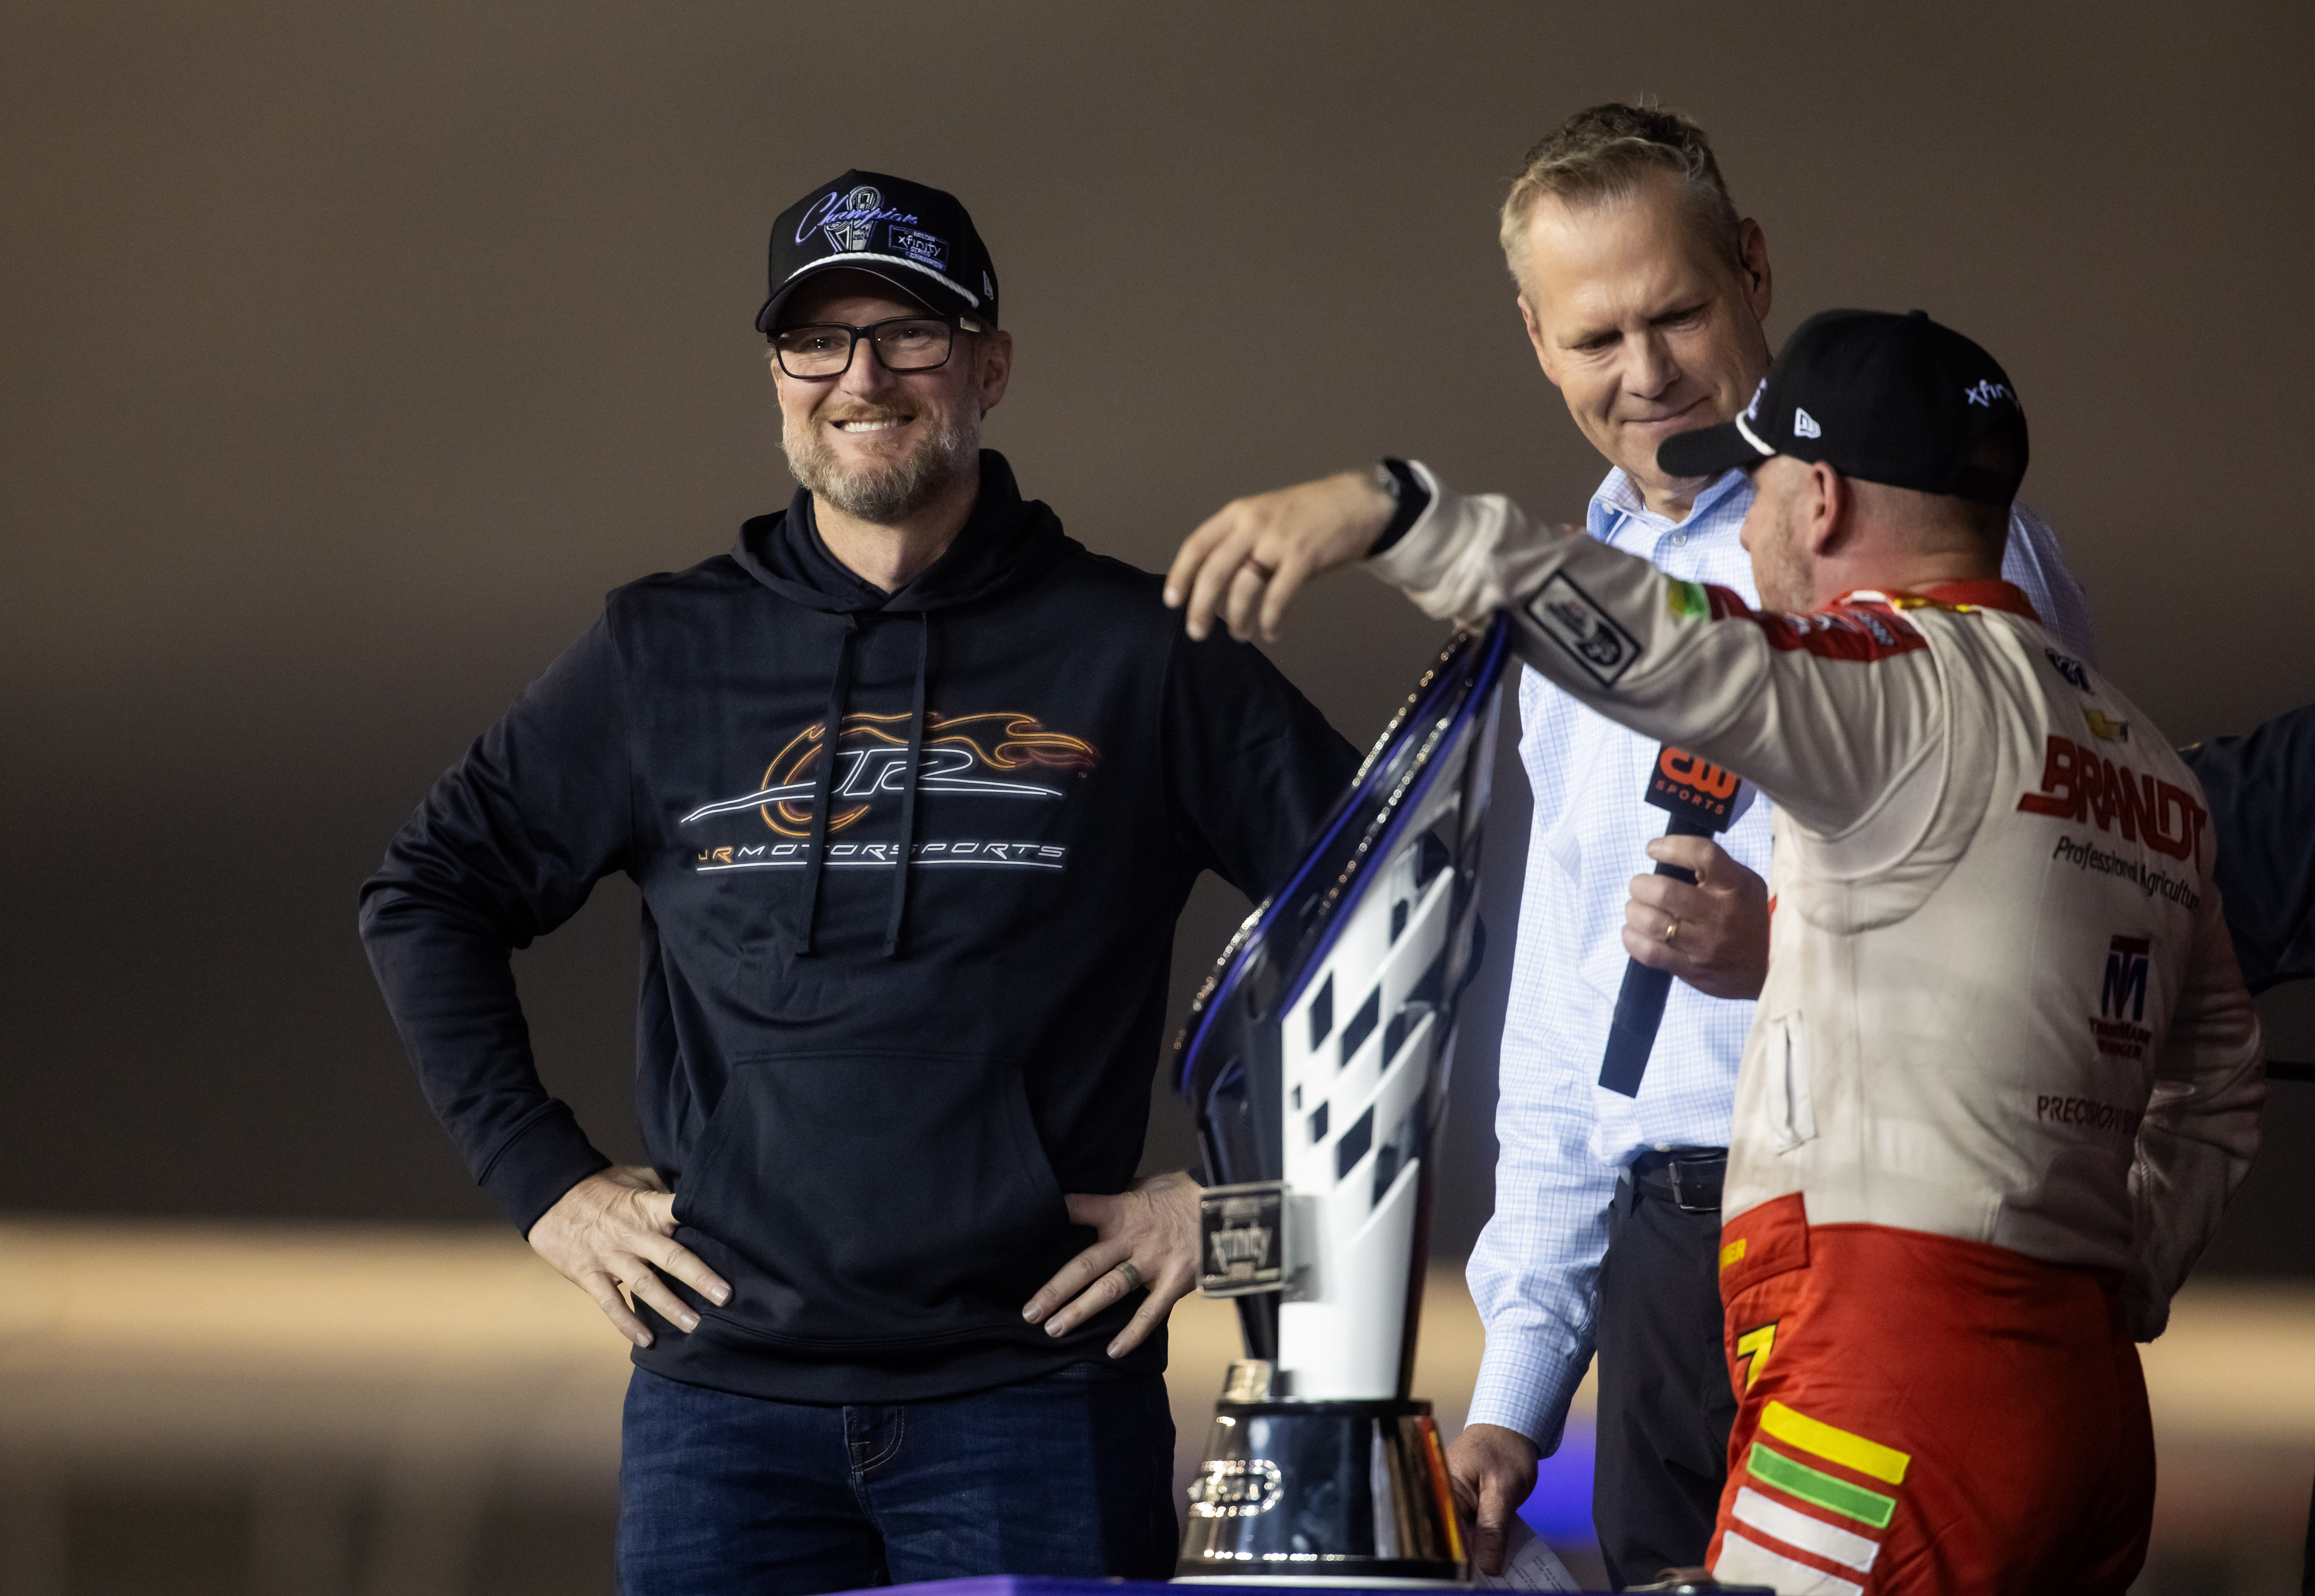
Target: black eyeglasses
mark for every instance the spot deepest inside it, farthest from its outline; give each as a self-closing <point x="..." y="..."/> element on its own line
<point x="904" y="343"/>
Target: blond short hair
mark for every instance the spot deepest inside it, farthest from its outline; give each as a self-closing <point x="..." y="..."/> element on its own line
<point x="1603" y="153"/>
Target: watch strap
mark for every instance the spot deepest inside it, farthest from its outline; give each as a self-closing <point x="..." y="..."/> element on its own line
<point x="1398" y="478"/>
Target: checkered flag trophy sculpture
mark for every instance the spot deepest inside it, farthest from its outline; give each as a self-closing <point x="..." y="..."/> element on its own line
<point x="1316" y="1060"/>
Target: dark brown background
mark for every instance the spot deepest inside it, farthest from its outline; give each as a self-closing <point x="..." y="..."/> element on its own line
<point x="347" y="355"/>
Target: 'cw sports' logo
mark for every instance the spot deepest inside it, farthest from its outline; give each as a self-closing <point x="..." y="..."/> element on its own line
<point x="1693" y="787"/>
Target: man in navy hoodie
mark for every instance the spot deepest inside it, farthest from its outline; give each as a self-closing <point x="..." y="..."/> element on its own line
<point x="914" y="787"/>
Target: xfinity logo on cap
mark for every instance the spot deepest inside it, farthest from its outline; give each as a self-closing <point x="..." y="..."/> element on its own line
<point x="1987" y="391"/>
<point x="920" y="247"/>
<point x="1804" y="424"/>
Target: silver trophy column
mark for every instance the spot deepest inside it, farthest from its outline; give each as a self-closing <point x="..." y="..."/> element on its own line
<point x="1315" y="1059"/>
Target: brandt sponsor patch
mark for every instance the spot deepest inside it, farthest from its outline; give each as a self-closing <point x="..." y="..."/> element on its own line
<point x="1572" y="619"/>
<point x="2079" y="784"/>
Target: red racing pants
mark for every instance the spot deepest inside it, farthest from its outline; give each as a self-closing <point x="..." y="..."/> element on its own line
<point x="1921" y="1415"/>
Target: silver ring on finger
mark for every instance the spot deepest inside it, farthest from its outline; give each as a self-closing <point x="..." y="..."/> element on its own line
<point x="1131" y="1276"/>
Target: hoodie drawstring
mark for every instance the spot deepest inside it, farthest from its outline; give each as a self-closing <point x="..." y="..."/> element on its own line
<point x="824" y="788"/>
<point x="909" y="789"/>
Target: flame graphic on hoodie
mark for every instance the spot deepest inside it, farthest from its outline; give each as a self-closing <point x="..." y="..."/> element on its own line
<point x="873" y="748"/>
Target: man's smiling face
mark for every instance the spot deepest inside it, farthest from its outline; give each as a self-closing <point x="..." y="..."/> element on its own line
<point x="878" y="444"/>
<point x="1641" y="323"/>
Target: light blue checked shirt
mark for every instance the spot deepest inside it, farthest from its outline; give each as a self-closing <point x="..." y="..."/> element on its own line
<point x="1536" y="1269"/>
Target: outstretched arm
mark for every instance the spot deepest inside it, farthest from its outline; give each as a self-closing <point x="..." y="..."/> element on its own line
<point x="1249" y="558"/>
<point x="1778" y="698"/>
<point x="1457" y="557"/>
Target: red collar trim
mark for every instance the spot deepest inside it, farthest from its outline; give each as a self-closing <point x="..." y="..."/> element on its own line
<point x="1981" y="595"/>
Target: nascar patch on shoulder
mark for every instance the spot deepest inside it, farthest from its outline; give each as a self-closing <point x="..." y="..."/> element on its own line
<point x="1571" y="618"/>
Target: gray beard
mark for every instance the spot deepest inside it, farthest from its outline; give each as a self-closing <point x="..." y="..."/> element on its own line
<point x="950" y="447"/>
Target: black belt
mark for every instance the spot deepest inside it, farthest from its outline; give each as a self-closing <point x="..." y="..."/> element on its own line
<point x="1690" y="1176"/>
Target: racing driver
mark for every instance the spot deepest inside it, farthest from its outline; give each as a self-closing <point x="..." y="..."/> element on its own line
<point x="2004" y="1074"/>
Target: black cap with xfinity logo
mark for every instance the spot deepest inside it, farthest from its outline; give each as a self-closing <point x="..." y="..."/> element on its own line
<point x="919" y="240"/>
<point x="1883" y="398"/>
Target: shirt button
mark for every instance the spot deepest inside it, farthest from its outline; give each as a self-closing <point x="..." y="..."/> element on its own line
<point x="1679" y="540"/>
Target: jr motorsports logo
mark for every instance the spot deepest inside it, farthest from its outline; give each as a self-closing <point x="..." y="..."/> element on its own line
<point x="1002" y="756"/>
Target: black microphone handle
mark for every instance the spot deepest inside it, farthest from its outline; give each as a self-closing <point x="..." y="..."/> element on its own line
<point x="1640" y="1001"/>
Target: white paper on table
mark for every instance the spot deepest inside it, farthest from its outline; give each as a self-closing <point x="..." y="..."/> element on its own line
<point x="1529" y="1564"/>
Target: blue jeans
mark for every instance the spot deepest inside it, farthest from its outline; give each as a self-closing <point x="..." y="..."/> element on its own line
<point x="1069" y="1474"/>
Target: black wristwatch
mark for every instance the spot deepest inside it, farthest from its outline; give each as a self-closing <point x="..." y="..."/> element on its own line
<point x="1397" y="479"/>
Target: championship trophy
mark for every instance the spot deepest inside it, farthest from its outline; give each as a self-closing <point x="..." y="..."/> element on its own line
<point x="1316" y="1060"/>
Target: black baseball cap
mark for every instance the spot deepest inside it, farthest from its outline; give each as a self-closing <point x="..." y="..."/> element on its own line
<point x="919" y="240"/>
<point x="1881" y="398"/>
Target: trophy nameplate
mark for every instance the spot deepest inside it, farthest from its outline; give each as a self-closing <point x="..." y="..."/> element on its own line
<point x="1241" y="1239"/>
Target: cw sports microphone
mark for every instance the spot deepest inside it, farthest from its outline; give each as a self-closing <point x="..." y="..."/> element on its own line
<point x="1703" y="799"/>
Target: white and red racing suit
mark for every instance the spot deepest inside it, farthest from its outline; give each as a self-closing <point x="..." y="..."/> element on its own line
<point x="2002" y="1078"/>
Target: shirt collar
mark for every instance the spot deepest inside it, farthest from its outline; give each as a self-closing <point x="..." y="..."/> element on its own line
<point x="1617" y="499"/>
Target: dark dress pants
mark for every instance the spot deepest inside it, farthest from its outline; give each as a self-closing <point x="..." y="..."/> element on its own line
<point x="1665" y="1403"/>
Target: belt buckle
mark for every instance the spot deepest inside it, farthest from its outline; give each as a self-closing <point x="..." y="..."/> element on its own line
<point x="1707" y="1197"/>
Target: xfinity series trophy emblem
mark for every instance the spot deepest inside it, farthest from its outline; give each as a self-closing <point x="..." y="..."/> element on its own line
<point x="1239" y="1237"/>
<point x="1316" y="1060"/>
<point x="848" y="228"/>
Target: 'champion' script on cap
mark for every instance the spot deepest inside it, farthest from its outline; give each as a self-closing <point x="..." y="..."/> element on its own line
<point x="848" y="216"/>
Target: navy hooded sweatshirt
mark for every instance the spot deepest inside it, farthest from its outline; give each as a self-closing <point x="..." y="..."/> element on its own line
<point x="893" y="1004"/>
